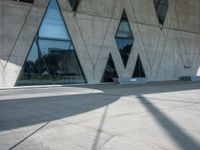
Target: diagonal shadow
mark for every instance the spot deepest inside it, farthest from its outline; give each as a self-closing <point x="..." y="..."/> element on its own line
<point x="29" y="111"/>
<point x="16" y="113"/>
<point x="182" y="139"/>
<point x="98" y="134"/>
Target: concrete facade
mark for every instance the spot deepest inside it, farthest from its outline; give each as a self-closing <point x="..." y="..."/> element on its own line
<point x="166" y="55"/>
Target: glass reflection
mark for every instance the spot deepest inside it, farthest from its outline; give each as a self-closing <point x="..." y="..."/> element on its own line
<point x="110" y="73"/>
<point x="52" y="58"/>
<point x="124" y="38"/>
<point x="139" y="70"/>
<point x="161" y="7"/>
<point x="53" y="25"/>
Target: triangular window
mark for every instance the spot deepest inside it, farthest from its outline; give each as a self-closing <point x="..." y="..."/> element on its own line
<point x="139" y="70"/>
<point x="52" y="58"/>
<point x="161" y="7"/>
<point x="110" y="73"/>
<point x="74" y="4"/>
<point x="124" y="38"/>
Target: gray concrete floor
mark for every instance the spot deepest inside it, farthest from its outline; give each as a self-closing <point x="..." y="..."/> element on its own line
<point x="161" y="116"/>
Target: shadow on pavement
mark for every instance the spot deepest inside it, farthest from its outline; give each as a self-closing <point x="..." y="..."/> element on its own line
<point x="25" y="112"/>
<point x="20" y="113"/>
<point x="181" y="138"/>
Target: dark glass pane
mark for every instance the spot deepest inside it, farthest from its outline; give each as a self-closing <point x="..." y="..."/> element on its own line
<point x="34" y="69"/>
<point x="52" y="58"/>
<point x="110" y="73"/>
<point x="139" y="70"/>
<point x="124" y="38"/>
<point x="27" y="1"/>
<point x="161" y="7"/>
<point x="74" y="4"/>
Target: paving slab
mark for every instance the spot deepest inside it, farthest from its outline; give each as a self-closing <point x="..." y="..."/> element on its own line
<point x="158" y="116"/>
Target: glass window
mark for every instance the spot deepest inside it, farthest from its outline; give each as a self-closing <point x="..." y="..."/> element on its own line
<point x="74" y="4"/>
<point x="52" y="57"/>
<point x="124" y="38"/>
<point x="27" y="1"/>
<point x="53" y="25"/>
<point x="161" y="7"/>
<point x="139" y="70"/>
<point x="110" y="73"/>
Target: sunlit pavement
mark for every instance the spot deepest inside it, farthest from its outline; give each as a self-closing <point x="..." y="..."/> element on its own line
<point x="159" y="116"/>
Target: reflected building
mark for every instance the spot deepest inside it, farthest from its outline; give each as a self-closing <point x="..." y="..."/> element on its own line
<point x="52" y="58"/>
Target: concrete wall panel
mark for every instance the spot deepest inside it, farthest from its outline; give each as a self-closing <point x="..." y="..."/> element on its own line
<point x="22" y="34"/>
<point x="164" y="54"/>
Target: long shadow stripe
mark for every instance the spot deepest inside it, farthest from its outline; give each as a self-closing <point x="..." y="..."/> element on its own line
<point x="182" y="139"/>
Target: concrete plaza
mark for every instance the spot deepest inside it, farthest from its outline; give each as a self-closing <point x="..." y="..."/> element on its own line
<point x="156" y="116"/>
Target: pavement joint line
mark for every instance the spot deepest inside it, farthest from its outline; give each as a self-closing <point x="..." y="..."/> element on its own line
<point x="79" y="122"/>
<point x="156" y="144"/>
<point x="178" y="108"/>
<point x="95" y="129"/>
<point x="27" y="137"/>
<point x="128" y="114"/>
<point x="112" y="136"/>
<point x="171" y="100"/>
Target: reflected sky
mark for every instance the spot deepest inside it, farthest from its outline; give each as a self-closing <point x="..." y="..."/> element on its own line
<point x="52" y="25"/>
<point x="52" y="33"/>
<point x="124" y="38"/>
<point x="124" y="30"/>
<point x="33" y="55"/>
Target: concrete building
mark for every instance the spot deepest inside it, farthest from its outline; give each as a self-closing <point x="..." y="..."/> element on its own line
<point x="163" y="39"/>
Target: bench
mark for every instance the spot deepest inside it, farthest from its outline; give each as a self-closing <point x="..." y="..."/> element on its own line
<point x="129" y="80"/>
<point x="195" y="78"/>
<point x="190" y="78"/>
